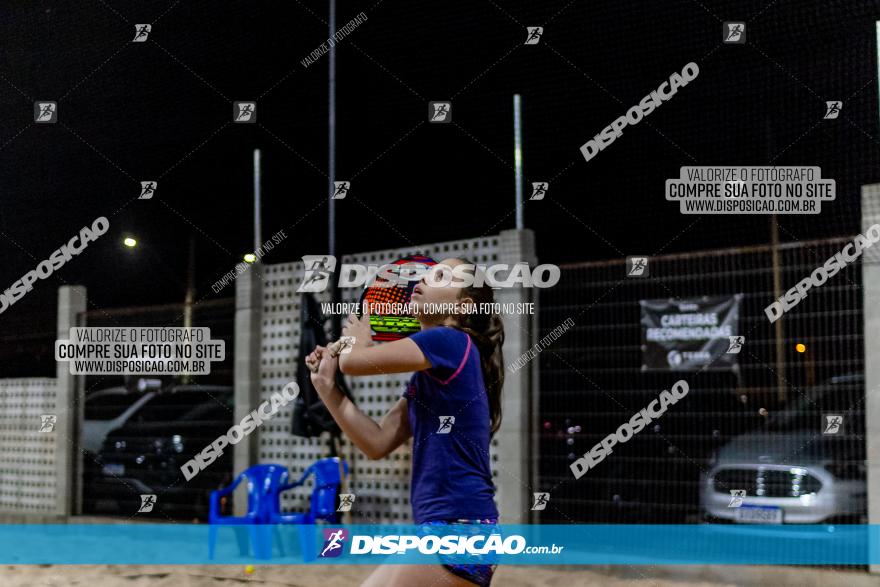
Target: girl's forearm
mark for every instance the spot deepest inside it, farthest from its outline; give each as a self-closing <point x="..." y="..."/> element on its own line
<point x="363" y="431"/>
<point x="399" y="356"/>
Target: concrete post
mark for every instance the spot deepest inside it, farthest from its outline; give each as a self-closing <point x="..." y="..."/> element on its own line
<point x="514" y="437"/>
<point x="248" y="328"/>
<point x="71" y="301"/>
<point x="871" y="292"/>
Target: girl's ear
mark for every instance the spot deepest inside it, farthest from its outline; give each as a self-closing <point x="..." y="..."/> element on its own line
<point x="466" y="301"/>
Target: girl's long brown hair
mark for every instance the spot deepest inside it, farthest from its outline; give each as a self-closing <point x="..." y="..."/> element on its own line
<point x="487" y="332"/>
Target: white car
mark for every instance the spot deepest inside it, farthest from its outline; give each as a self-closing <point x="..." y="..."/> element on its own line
<point x="796" y="469"/>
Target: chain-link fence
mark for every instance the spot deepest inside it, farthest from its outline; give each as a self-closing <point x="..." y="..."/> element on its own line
<point x="135" y="447"/>
<point x="765" y="429"/>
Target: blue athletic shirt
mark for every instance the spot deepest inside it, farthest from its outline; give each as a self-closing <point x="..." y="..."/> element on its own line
<point x="449" y="417"/>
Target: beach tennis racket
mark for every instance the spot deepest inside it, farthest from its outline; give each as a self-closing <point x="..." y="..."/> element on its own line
<point x="390" y="321"/>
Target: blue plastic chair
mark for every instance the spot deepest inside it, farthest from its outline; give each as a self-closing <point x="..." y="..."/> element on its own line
<point x="264" y="482"/>
<point x="322" y="502"/>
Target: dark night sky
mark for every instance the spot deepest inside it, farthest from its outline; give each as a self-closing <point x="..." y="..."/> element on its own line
<point x="162" y="110"/>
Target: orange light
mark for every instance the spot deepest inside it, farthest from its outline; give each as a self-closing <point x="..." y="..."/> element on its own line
<point x="800" y="347"/>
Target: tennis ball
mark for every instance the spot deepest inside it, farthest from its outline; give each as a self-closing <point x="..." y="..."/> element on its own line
<point x="249" y="569"/>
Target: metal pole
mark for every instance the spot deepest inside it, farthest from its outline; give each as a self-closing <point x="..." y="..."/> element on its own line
<point x="331" y="131"/>
<point x="877" y="51"/>
<point x="779" y="333"/>
<point x="190" y="282"/>
<point x="258" y="231"/>
<point x="190" y="294"/>
<point x="331" y="163"/>
<point x="517" y="159"/>
<point x="335" y="322"/>
<point x="776" y="260"/>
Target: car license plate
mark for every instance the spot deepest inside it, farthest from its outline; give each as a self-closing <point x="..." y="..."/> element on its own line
<point x="114" y="469"/>
<point x="758" y="514"/>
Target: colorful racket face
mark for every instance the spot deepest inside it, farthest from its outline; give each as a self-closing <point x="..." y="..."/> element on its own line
<point x="387" y="301"/>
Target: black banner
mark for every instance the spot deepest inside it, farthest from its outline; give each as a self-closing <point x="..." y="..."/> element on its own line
<point x="690" y="334"/>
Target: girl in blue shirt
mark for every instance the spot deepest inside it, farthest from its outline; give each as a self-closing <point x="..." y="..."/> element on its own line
<point x="451" y="408"/>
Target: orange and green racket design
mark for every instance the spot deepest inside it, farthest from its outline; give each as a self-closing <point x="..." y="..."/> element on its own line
<point x="387" y="301"/>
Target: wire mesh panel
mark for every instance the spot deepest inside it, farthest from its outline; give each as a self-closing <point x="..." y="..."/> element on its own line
<point x="27" y="447"/>
<point x="767" y="429"/>
<point x="133" y="450"/>
<point x="381" y="487"/>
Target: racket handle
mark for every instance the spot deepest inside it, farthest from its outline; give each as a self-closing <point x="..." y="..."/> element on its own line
<point x="336" y="348"/>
